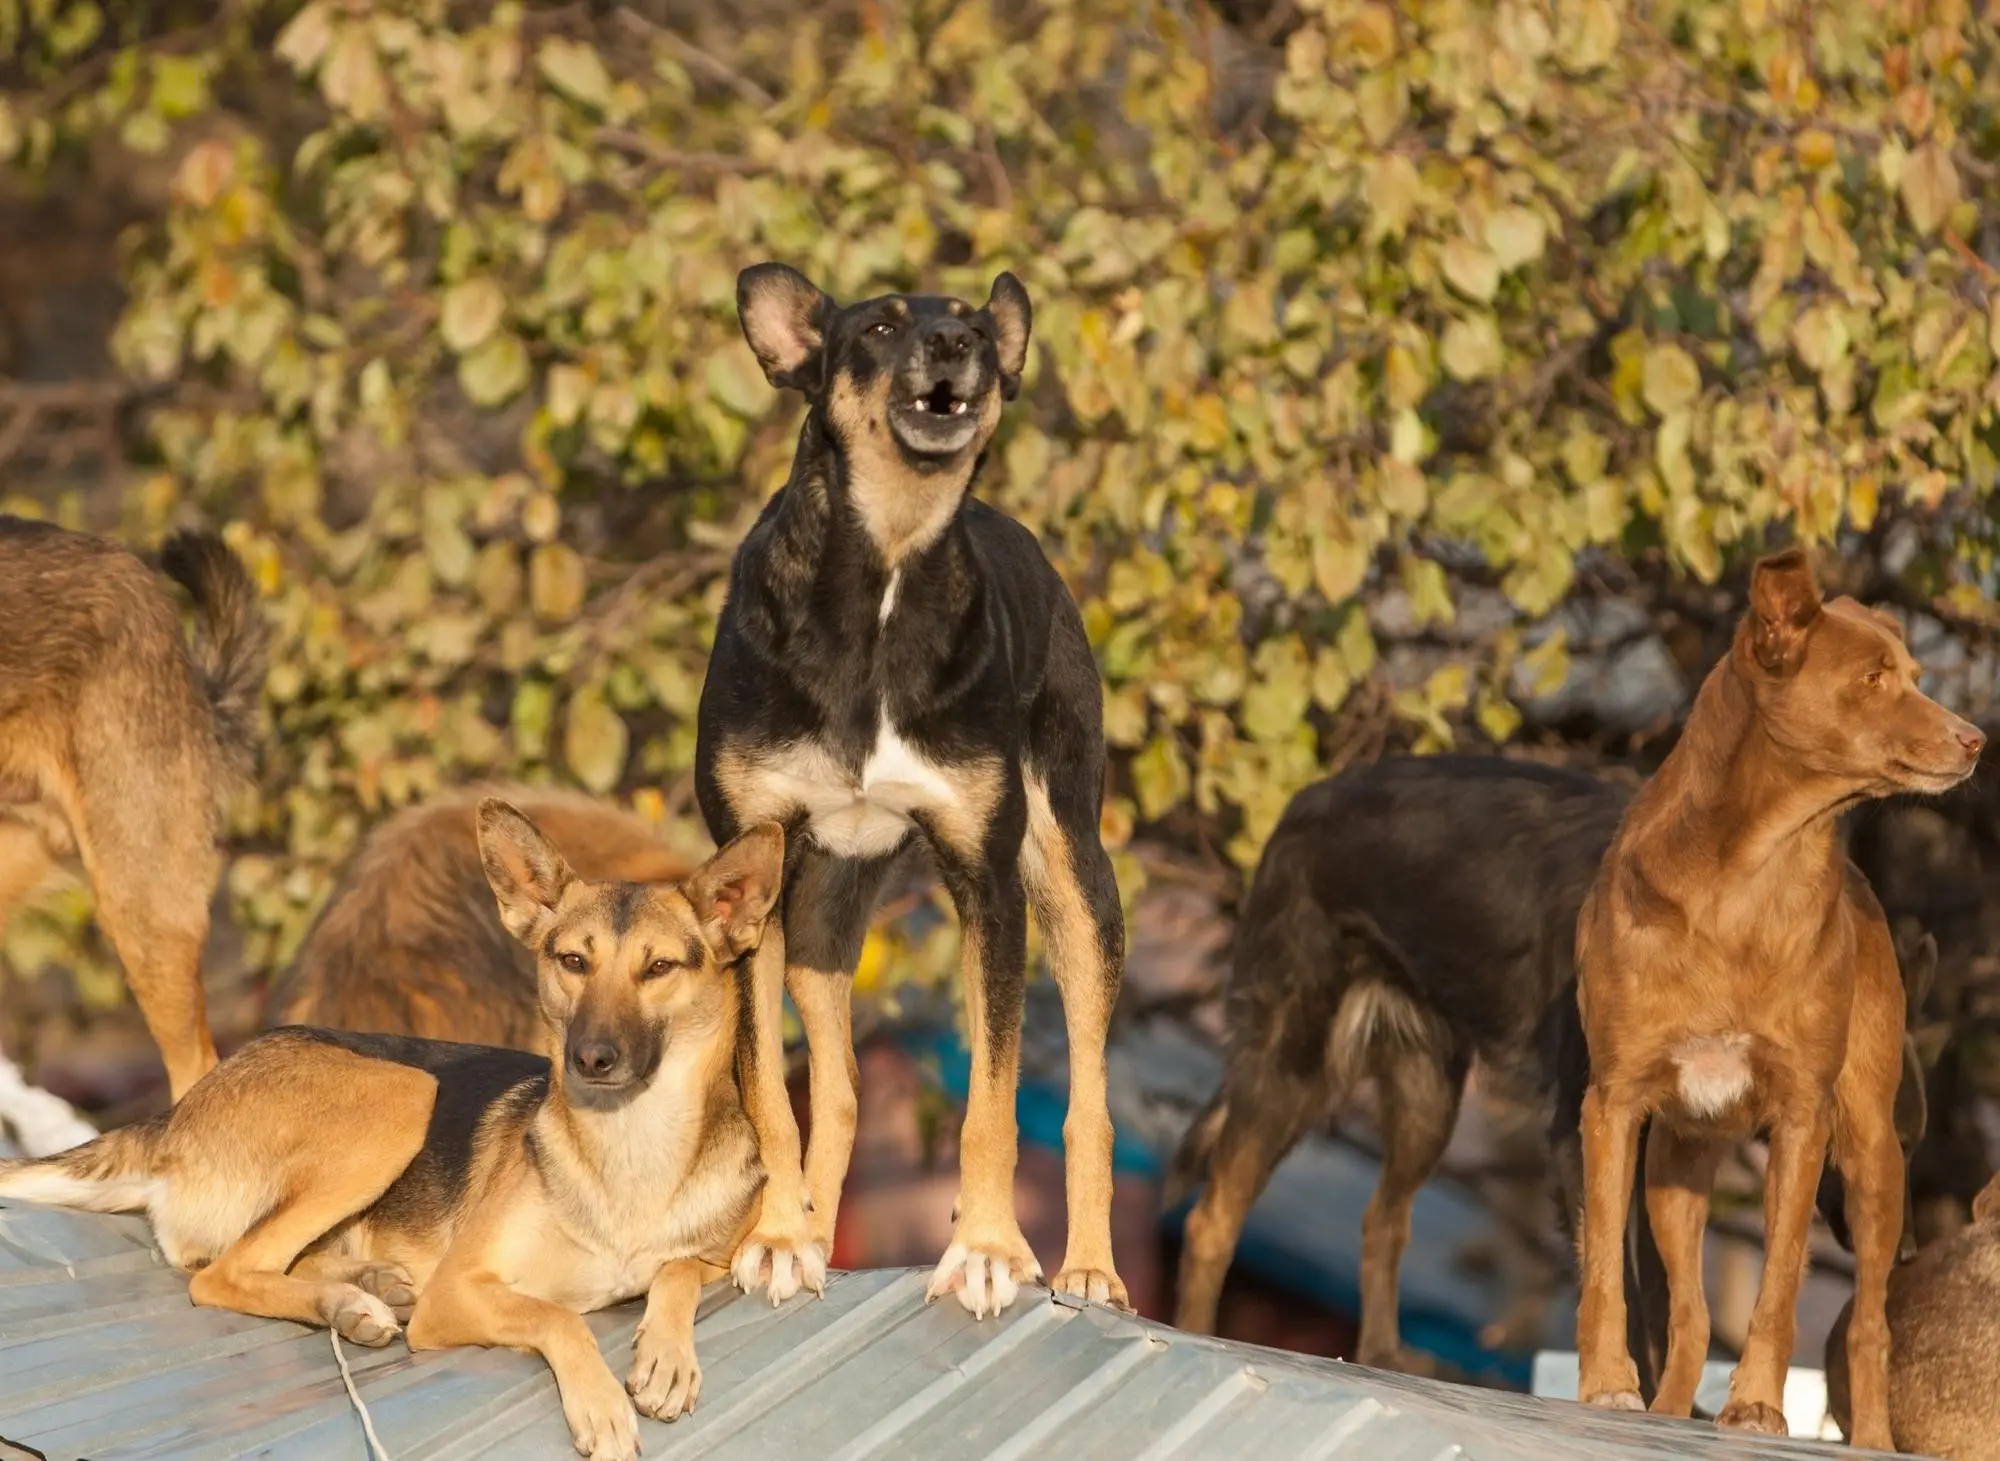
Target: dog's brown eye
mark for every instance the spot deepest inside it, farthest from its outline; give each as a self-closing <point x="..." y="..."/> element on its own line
<point x="882" y="327"/>
<point x="575" y="963"/>
<point x="1873" y="679"/>
<point x="659" y="969"/>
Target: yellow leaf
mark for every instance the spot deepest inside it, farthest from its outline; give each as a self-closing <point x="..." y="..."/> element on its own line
<point x="1159" y="776"/>
<point x="574" y="67"/>
<point x="470" y="313"/>
<point x="1339" y="562"/>
<point x="1815" y="148"/>
<point x="1429" y="590"/>
<point x="556" y="581"/>
<point x="1471" y="348"/>
<point x="1671" y="379"/>
<point x="494" y="372"/>
<point x="1929" y="187"/>
<point x="1383" y="100"/>
<point x="1393" y="187"/>
<point x="594" y="741"/>
<point x="1517" y="237"/>
<point x="1473" y="271"/>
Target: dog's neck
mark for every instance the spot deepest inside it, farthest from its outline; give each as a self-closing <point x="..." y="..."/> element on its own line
<point x="643" y="1147"/>
<point x="873" y="501"/>
<point x="1739" y="793"/>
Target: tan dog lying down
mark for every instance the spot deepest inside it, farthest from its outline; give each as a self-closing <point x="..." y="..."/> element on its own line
<point x="479" y="1195"/>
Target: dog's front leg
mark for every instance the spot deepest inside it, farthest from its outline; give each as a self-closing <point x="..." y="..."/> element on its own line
<point x="1798" y="1152"/>
<point x="666" y="1377"/>
<point x="780" y="1251"/>
<point x="476" y="1308"/>
<point x="1871" y="1161"/>
<point x="989" y="1257"/>
<point x="1607" y="1376"/>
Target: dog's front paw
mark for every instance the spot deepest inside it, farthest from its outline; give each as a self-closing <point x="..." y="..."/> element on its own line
<point x="782" y="1260"/>
<point x="602" y="1423"/>
<point x="1616" y="1400"/>
<point x="985" y="1269"/>
<point x="666" y="1378"/>
<point x="1753" y="1415"/>
<point x="1099" y="1285"/>
<point x="359" y="1316"/>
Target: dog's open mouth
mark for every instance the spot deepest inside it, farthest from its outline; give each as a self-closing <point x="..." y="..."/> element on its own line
<point x="940" y="401"/>
<point x="938" y="421"/>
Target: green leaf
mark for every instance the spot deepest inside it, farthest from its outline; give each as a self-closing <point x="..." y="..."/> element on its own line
<point x="575" y="68"/>
<point x="594" y="741"/>
<point x="1517" y="236"/>
<point x="1160" y="777"/>
<point x="495" y="372"/>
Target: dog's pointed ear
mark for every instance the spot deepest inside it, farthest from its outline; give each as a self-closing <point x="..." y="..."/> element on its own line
<point x="1784" y="606"/>
<point x="784" y="315"/>
<point x="1986" y="1206"/>
<point x="734" y="892"/>
<point x="1013" y="317"/>
<point x="523" y="868"/>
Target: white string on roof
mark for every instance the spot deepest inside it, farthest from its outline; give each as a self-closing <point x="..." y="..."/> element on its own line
<point x="353" y="1394"/>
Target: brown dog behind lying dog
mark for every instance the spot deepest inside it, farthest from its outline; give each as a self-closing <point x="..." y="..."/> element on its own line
<point x="1944" y="1354"/>
<point x="118" y="747"/>
<point x="1735" y="973"/>
<point x="410" y="942"/>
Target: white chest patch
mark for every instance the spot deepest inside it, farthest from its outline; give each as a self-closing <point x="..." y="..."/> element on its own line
<point x="1713" y="1073"/>
<point x="866" y="816"/>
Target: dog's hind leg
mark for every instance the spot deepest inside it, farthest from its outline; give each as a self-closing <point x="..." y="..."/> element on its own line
<point x="1680" y="1176"/>
<point x="325" y="1183"/>
<point x="1074" y="894"/>
<point x="150" y="853"/>
<point x="1420" y="1081"/>
<point x="1260" y="1119"/>
<point x="827" y="905"/>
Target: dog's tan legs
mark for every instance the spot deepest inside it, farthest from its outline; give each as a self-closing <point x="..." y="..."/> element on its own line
<point x="825" y="1005"/>
<point x="153" y="884"/>
<point x="1680" y="1176"/>
<point x="779" y="1253"/>
<point x="24" y="864"/>
<point x="461" y="1307"/>
<point x="989" y="1257"/>
<point x="1083" y="927"/>
<point x="1871" y="1161"/>
<point x="1419" y="1097"/>
<point x="250" y="1276"/>
<point x="665" y="1380"/>
<point x="1757" y="1389"/>
<point x="1610" y="1153"/>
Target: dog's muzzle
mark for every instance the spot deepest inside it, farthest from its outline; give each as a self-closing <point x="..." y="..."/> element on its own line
<point x="939" y="390"/>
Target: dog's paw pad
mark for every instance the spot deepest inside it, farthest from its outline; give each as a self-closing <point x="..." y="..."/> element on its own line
<point x="985" y="1281"/>
<point x="1616" y="1400"/>
<point x="1755" y="1416"/>
<point x="392" y="1284"/>
<point x="1098" y="1285"/>
<point x="362" y="1318"/>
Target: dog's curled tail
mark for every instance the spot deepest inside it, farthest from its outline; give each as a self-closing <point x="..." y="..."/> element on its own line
<point x="1189" y="1167"/>
<point x="114" y="1173"/>
<point x="232" y="640"/>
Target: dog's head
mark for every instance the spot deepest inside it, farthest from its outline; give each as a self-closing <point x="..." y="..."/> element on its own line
<point x="909" y="386"/>
<point x="628" y="970"/>
<point x="1836" y="687"/>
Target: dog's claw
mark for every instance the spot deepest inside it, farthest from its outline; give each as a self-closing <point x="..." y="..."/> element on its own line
<point x="1098" y="1285"/>
<point x="985" y="1281"/>
<point x="781" y="1265"/>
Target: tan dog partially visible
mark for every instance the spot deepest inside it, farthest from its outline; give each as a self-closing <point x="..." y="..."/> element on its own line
<point x="485" y="1196"/>
<point x="1735" y="973"/>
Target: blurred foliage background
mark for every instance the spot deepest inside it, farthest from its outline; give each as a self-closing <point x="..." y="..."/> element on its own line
<point x="1380" y="348"/>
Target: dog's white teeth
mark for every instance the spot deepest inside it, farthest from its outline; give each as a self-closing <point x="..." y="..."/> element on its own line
<point x="958" y="408"/>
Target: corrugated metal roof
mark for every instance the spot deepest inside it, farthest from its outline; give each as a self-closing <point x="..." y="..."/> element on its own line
<point x="102" y="1356"/>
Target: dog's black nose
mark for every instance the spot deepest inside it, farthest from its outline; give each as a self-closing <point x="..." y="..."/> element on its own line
<point x="949" y="339"/>
<point x="595" y="1059"/>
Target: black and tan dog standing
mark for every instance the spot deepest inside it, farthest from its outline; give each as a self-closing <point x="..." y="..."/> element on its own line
<point x="899" y="665"/>
<point x="119" y="748"/>
<point x="480" y="1195"/>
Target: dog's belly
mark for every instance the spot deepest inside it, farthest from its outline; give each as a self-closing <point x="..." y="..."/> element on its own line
<point x="867" y="815"/>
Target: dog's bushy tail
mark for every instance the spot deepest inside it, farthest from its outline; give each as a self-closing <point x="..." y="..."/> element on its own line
<point x="1189" y="1167"/>
<point x="114" y="1173"/>
<point x="232" y="640"/>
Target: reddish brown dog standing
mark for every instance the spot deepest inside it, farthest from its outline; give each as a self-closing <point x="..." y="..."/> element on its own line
<point x="1735" y="973"/>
